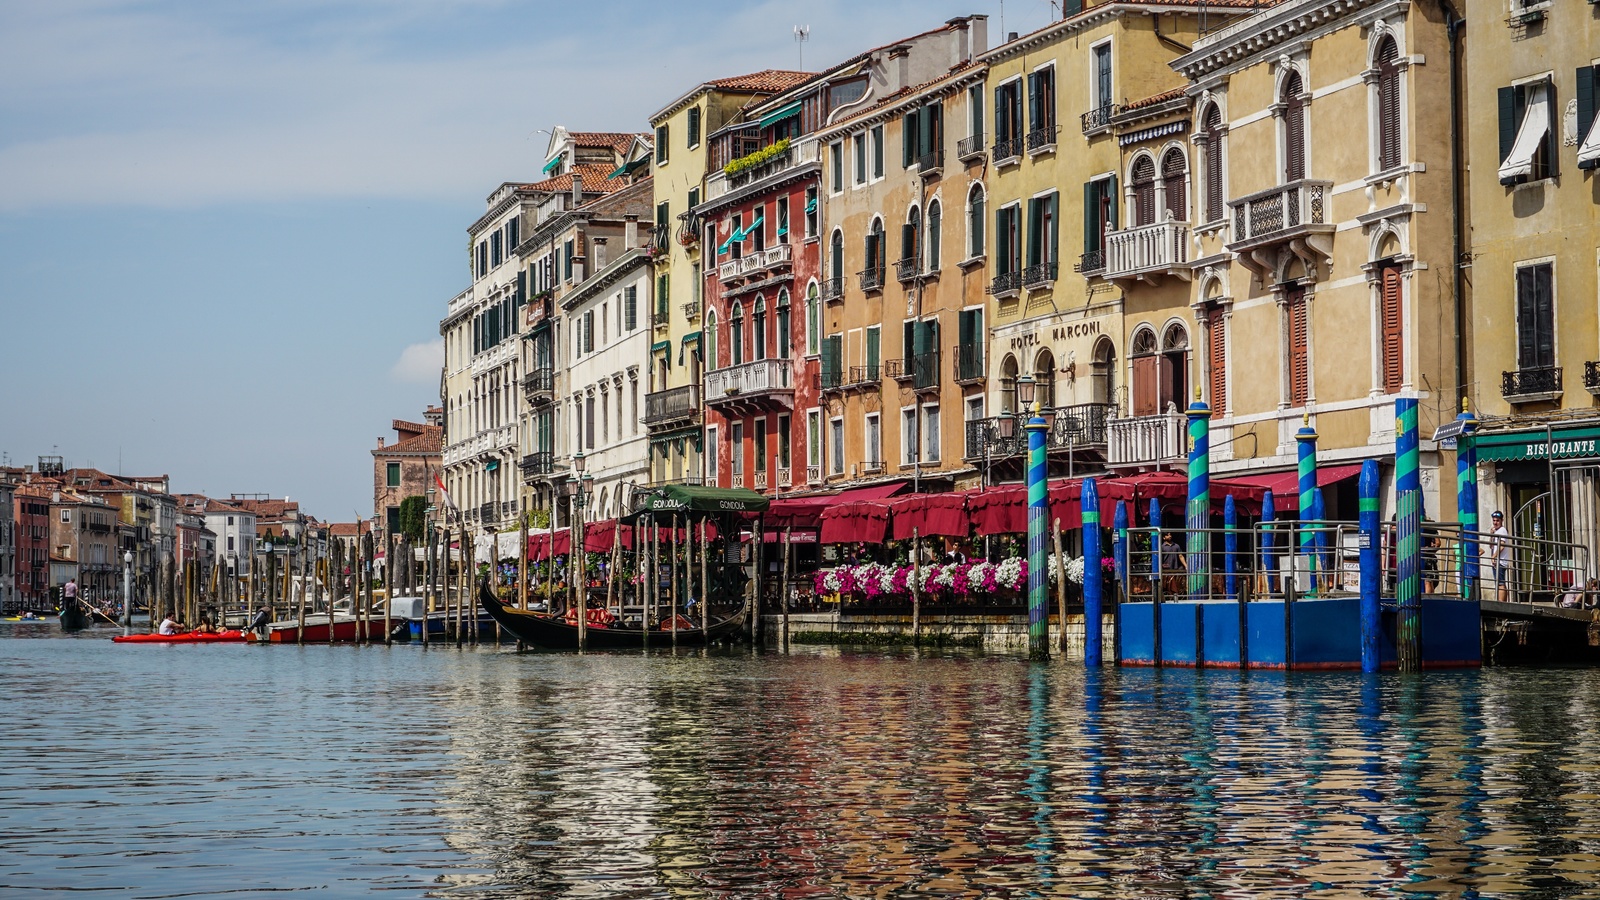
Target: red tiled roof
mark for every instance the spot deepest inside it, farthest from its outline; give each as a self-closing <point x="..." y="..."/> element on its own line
<point x="594" y="181"/>
<point x="764" y="81"/>
<point x="619" y="141"/>
<point x="1155" y="100"/>
<point x="430" y="440"/>
<point x="345" y="529"/>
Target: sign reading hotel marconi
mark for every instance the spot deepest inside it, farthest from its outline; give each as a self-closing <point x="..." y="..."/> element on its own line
<point x="1558" y="443"/>
<point x="1055" y="333"/>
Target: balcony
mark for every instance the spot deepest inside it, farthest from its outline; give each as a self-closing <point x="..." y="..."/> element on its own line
<point x="872" y="279"/>
<point x="1148" y="441"/>
<point x="1148" y="251"/>
<point x="830" y="379"/>
<point x="1293" y="216"/>
<point x="736" y="480"/>
<point x="1006" y="284"/>
<point x="785" y="477"/>
<point x="1098" y="118"/>
<point x="660" y="318"/>
<point x="672" y="407"/>
<point x="925" y="371"/>
<point x="901" y="370"/>
<point x="970" y="147"/>
<point x="691" y="310"/>
<point x="864" y="376"/>
<point x="833" y="289"/>
<point x="771" y="167"/>
<point x="761" y="480"/>
<point x="1039" y="275"/>
<point x="799" y="155"/>
<point x="536" y="464"/>
<point x="1534" y="384"/>
<point x="1591" y="377"/>
<point x="1091" y="263"/>
<point x="907" y="269"/>
<point x="776" y="256"/>
<point x="1007" y="150"/>
<point x="969" y="363"/>
<point x="929" y="164"/>
<point x="540" y="385"/>
<point x="1070" y="428"/>
<point x="1043" y="138"/>
<point x="813" y="474"/>
<point x="751" y="387"/>
<point x="689" y="228"/>
<point x="489" y="513"/>
<point x="755" y="262"/>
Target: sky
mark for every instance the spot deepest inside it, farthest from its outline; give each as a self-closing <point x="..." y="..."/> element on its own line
<point x="228" y="230"/>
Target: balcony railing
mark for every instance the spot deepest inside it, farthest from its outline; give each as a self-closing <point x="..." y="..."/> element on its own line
<point x="931" y="162"/>
<point x="1078" y="427"/>
<point x="832" y="289"/>
<point x="660" y="318"/>
<point x="489" y="513"/>
<point x="777" y="255"/>
<point x="1147" y="248"/>
<point x="899" y="369"/>
<point x="925" y="370"/>
<point x="755" y="173"/>
<point x="872" y="467"/>
<point x="541" y="463"/>
<point x="907" y="269"/>
<point x="969" y="362"/>
<point x="1591" y="377"/>
<point x="540" y="381"/>
<point x="728" y="271"/>
<point x="672" y="405"/>
<point x="1043" y="137"/>
<point x="864" y="375"/>
<point x="1146" y="440"/>
<point x="1280" y="212"/>
<point x="1039" y="274"/>
<point x="872" y="279"/>
<point x="1007" y="149"/>
<point x="968" y="147"/>
<point x="1532" y="384"/>
<point x="813" y="474"/>
<point x="736" y="479"/>
<point x="1099" y="117"/>
<point x="750" y="380"/>
<point x="830" y="379"/>
<point x="761" y="480"/>
<point x="1006" y="283"/>
<point x="785" y="476"/>
<point x="691" y="310"/>
<point x="1091" y="263"/>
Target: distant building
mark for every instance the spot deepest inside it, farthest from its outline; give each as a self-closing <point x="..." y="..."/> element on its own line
<point x="8" y="550"/>
<point x="233" y="530"/>
<point x="406" y="467"/>
<point x="31" y="517"/>
<point x="83" y="543"/>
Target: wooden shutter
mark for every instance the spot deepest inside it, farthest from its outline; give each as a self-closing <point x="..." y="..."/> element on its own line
<point x="908" y="241"/>
<point x="1053" y="237"/>
<point x="965" y="332"/>
<point x="1527" y="338"/>
<point x="1071" y="8"/>
<point x="1091" y="216"/>
<point x="931" y="121"/>
<point x="1587" y="78"/>
<point x="1033" y="100"/>
<point x="908" y="343"/>
<point x="1508" y="120"/>
<point x="1144" y="191"/>
<point x="908" y="139"/>
<point x="1034" y="238"/>
<point x="831" y="358"/>
<point x="1002" y="124"/>
<point x="1146" y="385"/>
<point x="1217" y="364"/>
<point x="1294" y="131"/>
<point x="1108" y="202"/>
<point x="1002" y="242"/>
<point x="1388" y="107"/>
<point x="1552" y="135"/>
<point x="1174" y="175"/>
<point x="873" y="341"/>
<point x="1544" y="317"/>
<point x="1213" y="128"/>
<point x="1299" y="371"/>
<point x="1391" y="321"/>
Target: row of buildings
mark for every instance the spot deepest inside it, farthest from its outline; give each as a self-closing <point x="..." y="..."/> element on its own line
<point x="60" y="524"/>
<point x="1295" y="211"/>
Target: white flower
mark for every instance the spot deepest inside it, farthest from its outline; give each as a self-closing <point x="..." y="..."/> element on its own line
<point x="1009" y="572"/>
<point x="831" y="581"/>
<point x="1075" y="570"/>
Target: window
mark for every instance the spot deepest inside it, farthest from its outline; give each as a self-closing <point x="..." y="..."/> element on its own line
<point x="393" y="474"/>
<point x="1588" y="131"/>
<point x="1217" y="359"/>
<point x="1527" y="132"/>
<point x="759" y="329"/>
<point x="513" y="230"/>
<point x="494" y="250"/>
<point x="876" y="253"/>
<point x="783" y="218"/>
<point x="661" y="144"/>
<point x="1298" y="358"/>
<point x="588" y="422"/>
<point x="1536" y="342"/>
<point x="861" y="159"/>
<point x="737" y="434"/>
<point x="933" y="236"/>
<point x="1099" y="214"/>
<point x="1042" y="102"/>
<point x="910" y="232"/>
<point x="567" y="261"/>
<point x="1042" y="229"/>
<point x="66" y="515"/>
<point x="230" y="543"/>
<point x="784" y="451"/>
<point x="1388" y="88"/>
<point x="909" y="147"/>
<point x="1100" y="72"/>
<point x="663" y="297"/>
<point x="836" y="464"/>
<point x="1174" y="173"/>
<point x="736" y="334"/>
<point x="975" y="222"/>
<point x="758" y="227"/>
<point x="694" y="198"/>
<point x="1391" y="322"/>
<point x="1142" y="183"/>
<point x="836" y="259"/>
<point x="930" y="433"/>
<point x="1294" y="128"/>
<point x="877" y="152"/>
<point x="975" y="112"/>
<point x="813" y="321"/>
<point x="1007" y="119"/>
<point x="811" y="212"/>
<point x="814" y="438"/>
<point x="588" y="332"/>
<point x="1007" y="249"/>
<point x="230" y="520"/>
<point x="761" y="445"/>
<point x="908" y="436"/>
<point x="832" y="360"/>
<point x="392" y="519"/>
<point x="970" y="338"/>
<point x="713" y="472"/>
<point x="630" y="307"/>
<point x="483" y="258"/>
<point x="710" y="339"/>
<point x="836" y="167"/>
<point x="874" y="448"/>
<point x="785" y="342"/>
<point x="1210" y="140"/>
<point x="737" y="238"/>
<point x="694" y="126"/>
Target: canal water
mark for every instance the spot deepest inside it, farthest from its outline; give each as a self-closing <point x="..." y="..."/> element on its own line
<point x="199" y="771"/>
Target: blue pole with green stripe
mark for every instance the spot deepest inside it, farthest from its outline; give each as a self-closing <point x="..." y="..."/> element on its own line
<point x="1038" y="514"/>
<point x="1230" y="547"/>
<point x="1467" y="501"/>
<point x="1371" y="573"/>
<point x="1198" y="512"/>
<point x="1269" y="541"/>
<point x="1090" y="499"/>
<point x="1306" y="444"/>
<point x="1408" y="498"/>
<point x="1119" y="544"/>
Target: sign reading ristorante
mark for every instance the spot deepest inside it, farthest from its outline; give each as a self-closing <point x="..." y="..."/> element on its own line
<point x="1558" y="443"/>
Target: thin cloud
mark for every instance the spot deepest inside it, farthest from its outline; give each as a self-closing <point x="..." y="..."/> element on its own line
<point x="419" y="363"/>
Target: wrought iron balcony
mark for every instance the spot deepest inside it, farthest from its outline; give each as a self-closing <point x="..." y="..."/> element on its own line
<point x="969" y="147"/>
<point x="872" y="279"/>
<point x="1082" y="426"/>
<point x="1147" y="251"/>
<point x="1295" y="215"/>
<point x="864" y="376"/>
<point x="1146" y="440"/>
<point x="541" y="463"/>
<point x="752" y="386"/>
<point x="673" y="405"/>
<point x="1532" y="384"/>
<point x="830" y="379"/>
<point x="1099" y="117"/>
<point x="930" y="163"/>
<point x="1043" y="137"/>
<point x="1039" y="274"/>
<point x="539" y="384"/>
<point x="1591" y="377"/>
<point x="899" y="369"/>
<point x="832" y="289"/>
<point x="1005" y="284"/>
<point x="1091" y="263"/>
<point x="969" y="363"/>
<point x="489" y="513"/>
<point x="1007" y="150"/>
<point x="907" y="269"/>
<point x="925" y="371"/>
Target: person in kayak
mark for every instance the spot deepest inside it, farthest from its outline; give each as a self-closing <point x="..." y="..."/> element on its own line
<point x="205" y="626"/>
<point x="169" y="626"/>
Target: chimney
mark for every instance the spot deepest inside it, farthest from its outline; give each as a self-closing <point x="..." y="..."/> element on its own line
<point x="599" y="253"/>
<point x="630" y="233"/>
<point x="902" y="54"/>
<point x="963" y="50"/>
<point x="380" y="443"/>
<point x="1011" y="36"/>
<point x="980" y="35"/>
<point x="577" y="189"/>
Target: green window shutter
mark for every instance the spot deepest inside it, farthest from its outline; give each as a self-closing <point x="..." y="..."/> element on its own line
<point x="872" y="348"/>
<point x="631" y="307"/>
<point x="1033" y="100"/>
<point x="1552" y="134"/>
<point x="930" y="123"/>
<point x="1035" y="240"/>
<point x="964" y="328"/>
<point x="1002" y="242"/>
<point x="1109" y="191"/>
<point x="908" y="139"/>
<point x="830" y="359"/>
<point x="1071" y="8"/>
<point x="1053" y="251"/>
<point x="1091" y="215"/>
<point x="908" y="241"/>
<point x="1002" y="131"/>
<point x="1586" y="98"/>
<point x="1508" y="120"/>
<point x="908" y="343"/>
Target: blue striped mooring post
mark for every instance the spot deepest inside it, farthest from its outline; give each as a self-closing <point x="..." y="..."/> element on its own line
<point x="1371" y="571"/>
<point x="1197" y="516"/>
<point x="1319" y="515"/>
<point x="1155" y="536"/>
<point x="1090" y="498"/>
<point x="1119" y="544"/>
<point x="1230" y="547"/>
<point x="1038" y="514"/>
<point x="1408" y="500"/>
<point x="1306" y="445"/>
<point x="1269" y="542"/>
<point x="1467" y="500"/>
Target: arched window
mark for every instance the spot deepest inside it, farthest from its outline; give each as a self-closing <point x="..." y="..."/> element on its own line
<point x="813" y="321"/>
<point x="783" y="345"/>
<point x="758" y="329"/>
<point x="1142" y="183"/>
<point x="975" y="221"/>
<point x="1174" y="368"/>
<point x="1294" y="129"/>
<point x="1211" y="131"/>
<point x="1146" y="373"/>
<point x="736" y="335"/>
<point x="836" y="258"/>
<point x="933" y="235"/>
<point x="1044" y="379"/>
<point x="1387" y="60"/>
<point x="1174" y="176"/>
<point x="710" y="340"/>
<point x="875" y="251"/>
<point x="1104" y="375"/>
<point x="1008" y="385"/>
<point x="909" y="234"/>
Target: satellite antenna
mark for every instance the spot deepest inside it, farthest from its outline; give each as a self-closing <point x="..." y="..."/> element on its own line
<point x="802" y="33"/>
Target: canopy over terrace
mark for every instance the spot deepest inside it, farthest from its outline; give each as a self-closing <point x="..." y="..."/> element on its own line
<point x="598" y="537"/>
<point x="695" y="502"/>
<point x="806" y="512"/>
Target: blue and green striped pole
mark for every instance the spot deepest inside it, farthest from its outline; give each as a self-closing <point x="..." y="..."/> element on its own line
<point x="1198" y="517"/>
<point x="1038" y="571"/>
<point x="1408" y="498"/>
<point x="1092" y="638"/>
<point x="1467" y="501"/>
<point x="1371" y="571"/>
<point x="1306" y="444"/>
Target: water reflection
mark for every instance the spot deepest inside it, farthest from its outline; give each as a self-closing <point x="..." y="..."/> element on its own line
<point x="824" y="774"/>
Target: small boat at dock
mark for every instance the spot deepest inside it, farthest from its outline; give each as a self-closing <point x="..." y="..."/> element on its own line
<point x="346" y="628"/>
<point x="188" y="637"/>
<point x="553" y="632"/>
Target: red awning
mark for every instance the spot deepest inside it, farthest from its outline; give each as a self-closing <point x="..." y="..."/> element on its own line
<point x="806" y="512"/>
<point x="1287" y="484"/>
<point x="539" y="545"/>
<point x="1173" y="488"/>
<point x="865" y="521"/>
<point x="931" y="515"/>
<point x="1066" y="500"/>
<point x="999" y="510"/>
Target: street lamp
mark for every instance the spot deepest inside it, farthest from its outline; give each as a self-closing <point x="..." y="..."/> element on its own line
<point x="1025" y="393"/>
<point x="127" y="592"/>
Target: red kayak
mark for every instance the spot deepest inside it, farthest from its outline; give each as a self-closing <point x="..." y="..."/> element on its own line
<point x="191" y="637"/>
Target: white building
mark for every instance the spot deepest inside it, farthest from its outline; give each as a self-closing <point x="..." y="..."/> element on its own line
<point x="233" y="526"/>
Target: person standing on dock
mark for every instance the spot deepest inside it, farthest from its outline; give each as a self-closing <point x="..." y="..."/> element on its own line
<point x="1499" y="553"/>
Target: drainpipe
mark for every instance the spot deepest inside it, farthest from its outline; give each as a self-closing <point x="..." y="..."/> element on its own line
<point x="1454" y="26"/>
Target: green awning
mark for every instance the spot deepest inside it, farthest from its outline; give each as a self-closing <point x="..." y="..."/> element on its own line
<point x="617" y="171"/>
<point x="552" y="164"/>
<point x="659" y="346"/>
<point x="692" y="337"/>
<point x="690" y="499"/>
<point x="743" y="234"/>
<point x="1558" y="443"/>
<point x="628" y="168"/>
<point x="811" y="205"/>
<point x="778" y="115"/>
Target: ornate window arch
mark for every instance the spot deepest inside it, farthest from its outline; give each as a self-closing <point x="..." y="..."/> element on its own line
<point x="783" y="344"/>
<point x="935" y="217"/>
<point x="836" y="255"/>
<point x="1292" y="99"/>
<point x="1044" y="378"/>
<point x="813" y="319"/>
<point x="1174" y="183"/>
<point x="911" y="234"/>
<point x="1384" y="76"/>
<point x="758" y="329"/>
<point x="975" y="212"/>
<point x="1142" y="189"/>
<point x="1210" y="138"/>
<point x="736" y="334"/>
<point x="1008" y="385"/>
<point x="710" y="339"/>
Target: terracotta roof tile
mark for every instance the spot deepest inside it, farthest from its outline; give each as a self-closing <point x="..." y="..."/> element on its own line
<point x="594" y="181"/>
<point x="1155" y="100"/>
<point x="766" y="81"/>
<point x="620" y="141"/>
<point x="431" y="440"/>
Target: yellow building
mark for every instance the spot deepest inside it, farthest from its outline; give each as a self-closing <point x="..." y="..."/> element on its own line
<point x="680" y="165"/>
<point x="1320" y="242"/>
<point x="1535" y="199"/>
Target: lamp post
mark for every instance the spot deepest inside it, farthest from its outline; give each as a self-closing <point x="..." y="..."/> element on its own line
<point x="1038" y="510"/>
<point x="127" y="592"/>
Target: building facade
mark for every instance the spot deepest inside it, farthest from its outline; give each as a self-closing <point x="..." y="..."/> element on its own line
<point x="9" y="601"/>
<point x="83" y="544"/>
<point x="405" y="468"/>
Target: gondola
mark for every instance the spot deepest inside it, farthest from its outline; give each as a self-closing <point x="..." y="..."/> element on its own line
<point x="556" y="633"/>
